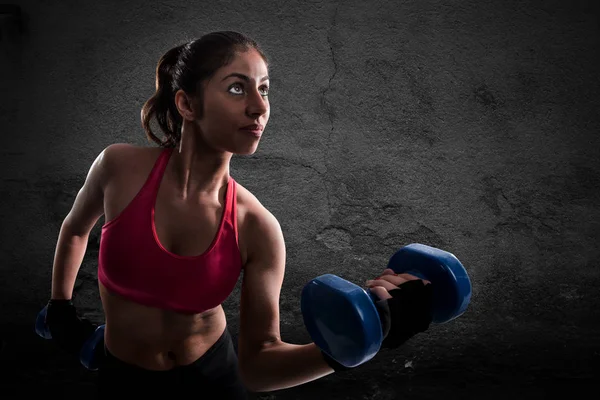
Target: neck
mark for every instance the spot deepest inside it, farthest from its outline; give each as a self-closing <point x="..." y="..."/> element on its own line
<point x="197" y="169"/>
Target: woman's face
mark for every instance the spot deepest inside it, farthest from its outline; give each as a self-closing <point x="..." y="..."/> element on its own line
<point x="235" y="97"/>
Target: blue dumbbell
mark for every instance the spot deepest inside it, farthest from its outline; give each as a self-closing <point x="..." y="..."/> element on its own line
<point x="87" y="355"/>
<point x="342" y="318"/>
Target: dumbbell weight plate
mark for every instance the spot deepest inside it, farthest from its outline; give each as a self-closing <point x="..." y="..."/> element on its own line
<point x="341" y="319"/>
<point x="451" y="283"/>
<point x="87" y="356"/>
<point x="40" y="324"/>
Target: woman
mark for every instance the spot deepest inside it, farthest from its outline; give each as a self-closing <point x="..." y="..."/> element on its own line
<point x="179" y="231"/>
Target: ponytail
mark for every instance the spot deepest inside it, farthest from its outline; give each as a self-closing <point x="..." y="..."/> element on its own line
<point x="162" y="105"/>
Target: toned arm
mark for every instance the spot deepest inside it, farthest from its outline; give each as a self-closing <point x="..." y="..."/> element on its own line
<point x="266" y="362"/>
<point x="87" y="208"/>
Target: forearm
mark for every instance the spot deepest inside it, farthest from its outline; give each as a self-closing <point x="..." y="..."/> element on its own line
<point x="284" y="365"/>
<point x="70" y="250"/>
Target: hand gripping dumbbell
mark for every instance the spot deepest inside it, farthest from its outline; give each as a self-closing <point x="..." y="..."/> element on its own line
<point x="89" y="350"/>
<point x="343" y="321"/>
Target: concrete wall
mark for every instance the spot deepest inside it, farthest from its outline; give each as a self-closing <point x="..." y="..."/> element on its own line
<point x="471" y="126"/>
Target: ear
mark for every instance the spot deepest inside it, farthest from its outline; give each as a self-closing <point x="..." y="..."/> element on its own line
<point x="185" y="105"/>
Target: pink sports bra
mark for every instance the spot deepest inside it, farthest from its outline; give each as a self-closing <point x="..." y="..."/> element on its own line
<point x="133" y="264"/>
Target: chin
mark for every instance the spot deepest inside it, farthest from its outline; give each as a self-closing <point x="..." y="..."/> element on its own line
<point x="247" y="152"/>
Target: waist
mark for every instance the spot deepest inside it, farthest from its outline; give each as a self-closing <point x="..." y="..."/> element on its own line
<point x="156" y="339"/>
<point x="160" y="354"/>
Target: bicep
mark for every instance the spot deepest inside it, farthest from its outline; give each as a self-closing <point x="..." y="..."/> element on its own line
<point x="261" y="287"/>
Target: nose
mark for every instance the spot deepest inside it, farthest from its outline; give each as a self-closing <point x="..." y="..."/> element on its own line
<point x="257" y="104"/>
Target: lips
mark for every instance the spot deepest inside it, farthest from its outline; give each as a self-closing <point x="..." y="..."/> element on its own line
<point x="253" y="127"/>
<point x="254" y="130"/>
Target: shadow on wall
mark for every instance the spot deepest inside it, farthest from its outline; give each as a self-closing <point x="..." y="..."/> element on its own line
<point x="12" y="22"/>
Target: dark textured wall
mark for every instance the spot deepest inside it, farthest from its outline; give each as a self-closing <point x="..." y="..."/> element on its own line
<point x="471" y="126"/>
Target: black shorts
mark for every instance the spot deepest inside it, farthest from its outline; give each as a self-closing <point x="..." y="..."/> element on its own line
<point x="213" y="376"/>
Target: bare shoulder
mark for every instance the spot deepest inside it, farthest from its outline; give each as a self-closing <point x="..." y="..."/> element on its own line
<point x="254" y="211"/>
<point x="258" y="225"/>
<point x="128" y="157"/>
<point x="124" y="159"/>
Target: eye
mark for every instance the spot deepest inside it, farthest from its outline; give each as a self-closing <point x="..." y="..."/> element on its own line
<point x="234" y="86"/>
<point x="265" y="88"/>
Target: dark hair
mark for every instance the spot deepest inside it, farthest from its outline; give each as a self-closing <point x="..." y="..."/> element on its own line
<point x="186" y="67"/>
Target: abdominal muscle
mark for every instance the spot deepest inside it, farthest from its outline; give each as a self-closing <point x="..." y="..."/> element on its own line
<point x="156" y="339"/>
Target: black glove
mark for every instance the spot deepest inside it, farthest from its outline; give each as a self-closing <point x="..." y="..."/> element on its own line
<point x="407" y="313"/>
<point x="68" y="331"/>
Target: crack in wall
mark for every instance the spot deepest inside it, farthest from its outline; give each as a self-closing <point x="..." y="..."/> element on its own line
<point x="326" y="105"/>
<point x="330" y="113"/>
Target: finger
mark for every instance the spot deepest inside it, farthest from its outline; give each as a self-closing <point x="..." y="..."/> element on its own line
<point x="410" y="277"/>
<point x="381" y="293"/>
<point x="393" y="279"/>
<point x="381" y="282"/>
<point x="390" y="273"/>
<point x="385" y="272"/>
<point x="398" y="279"/>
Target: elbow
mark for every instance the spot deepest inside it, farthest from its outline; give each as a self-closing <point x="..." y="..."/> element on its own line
<point x="255" y="366"/>
<point x="70" y="228"/>
<point x="250" y="379"/>
<point x="247" y="367"/>
<point x="253" y="373"/>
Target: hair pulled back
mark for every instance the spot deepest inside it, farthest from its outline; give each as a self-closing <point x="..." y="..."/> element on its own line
<point x="186" y="67"/>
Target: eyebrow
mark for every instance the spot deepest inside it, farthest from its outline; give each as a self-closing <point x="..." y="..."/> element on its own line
<point x="244" y="77"/>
